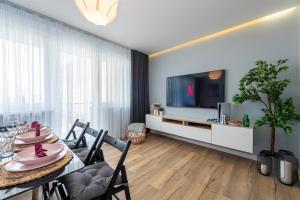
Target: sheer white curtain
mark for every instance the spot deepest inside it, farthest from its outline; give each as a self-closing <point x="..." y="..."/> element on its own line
<point x="22" y="67"/>
<point x="55" y="74"/>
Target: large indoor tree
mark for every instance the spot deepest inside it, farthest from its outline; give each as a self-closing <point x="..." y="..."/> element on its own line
<point x="261" y="84"/>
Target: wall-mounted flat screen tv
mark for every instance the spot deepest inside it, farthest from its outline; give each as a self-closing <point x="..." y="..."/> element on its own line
<point x="201" y="90"/>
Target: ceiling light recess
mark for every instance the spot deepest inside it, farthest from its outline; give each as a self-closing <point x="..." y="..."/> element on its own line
<point x="223" y="32"/>
<point x="99" y="12"/>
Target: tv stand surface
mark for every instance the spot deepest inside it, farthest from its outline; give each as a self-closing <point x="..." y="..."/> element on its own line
<point x="187" y="122"/>
<point x="238" y="138"/>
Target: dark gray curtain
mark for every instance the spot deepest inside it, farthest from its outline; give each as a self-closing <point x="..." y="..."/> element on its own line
<point x="139" y="87"/>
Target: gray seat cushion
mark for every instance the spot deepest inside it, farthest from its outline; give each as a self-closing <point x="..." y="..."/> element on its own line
<point x="71" y="143"/>
<point x="82" y="153"/>
<point x="90" y="182"/>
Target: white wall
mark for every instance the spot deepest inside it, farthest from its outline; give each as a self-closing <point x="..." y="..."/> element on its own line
<point x="236" y="53"/>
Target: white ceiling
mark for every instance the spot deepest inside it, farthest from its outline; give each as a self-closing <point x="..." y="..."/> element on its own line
<point x="152" y="25"/>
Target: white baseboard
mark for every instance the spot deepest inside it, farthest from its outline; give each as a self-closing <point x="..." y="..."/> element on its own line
<point x="211" y="146"/>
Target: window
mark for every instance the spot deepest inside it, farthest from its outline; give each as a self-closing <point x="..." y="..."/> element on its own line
<point x="23" y="82"/>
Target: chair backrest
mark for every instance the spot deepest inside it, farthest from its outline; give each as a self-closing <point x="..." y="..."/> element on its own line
<point x="96" y="147"/>
<point x="82" y="138"/>
<point x="79" y="124"/>
<point x="15" y="125"/>
<point x="94" y="150"/>
<point x="124" y="148"/>
<point x="92" y="132"/>
<point x="116" y="143"/>
<point x="3" y="129"/>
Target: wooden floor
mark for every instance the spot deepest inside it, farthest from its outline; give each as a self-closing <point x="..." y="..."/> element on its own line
<point x="164" y="168"/>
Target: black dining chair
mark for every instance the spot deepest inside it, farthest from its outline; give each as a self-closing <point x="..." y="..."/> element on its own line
<point x="88" y="155"/>
<point x="75" y="142"/>
<point x="99" y="180"/>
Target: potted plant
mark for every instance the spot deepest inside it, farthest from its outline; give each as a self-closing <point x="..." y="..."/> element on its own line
<point x="261" y="84"/>
<point x="161" y="111"/>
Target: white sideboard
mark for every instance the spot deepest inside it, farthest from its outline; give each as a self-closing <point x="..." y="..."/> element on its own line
<point x="237" y="138"/>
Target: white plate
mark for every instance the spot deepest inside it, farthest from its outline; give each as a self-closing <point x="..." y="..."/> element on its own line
<point x="28" y="157"/>
<point x="31" y="136"/>
<point x="42" y="128"/>
<point x="14" y="166"/>
<point x="19" y="142"/>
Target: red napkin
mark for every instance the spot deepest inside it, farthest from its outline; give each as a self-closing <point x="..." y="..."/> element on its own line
<point x="37" y="130"/>
<point x="35" y="124"/>
<point x="39" y="151"/>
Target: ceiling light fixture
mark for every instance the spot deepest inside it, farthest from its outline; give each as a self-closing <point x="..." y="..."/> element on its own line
<point x="223" y="32"/>
<point x="99" y="12"/>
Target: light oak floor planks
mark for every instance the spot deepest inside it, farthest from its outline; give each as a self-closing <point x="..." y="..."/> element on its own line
<point x="163" y="168"/>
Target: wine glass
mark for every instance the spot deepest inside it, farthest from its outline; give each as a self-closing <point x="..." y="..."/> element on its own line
<point x="13" y="123"/>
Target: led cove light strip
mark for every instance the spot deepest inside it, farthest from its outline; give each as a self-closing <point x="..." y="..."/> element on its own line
<point x="223" y="32"/>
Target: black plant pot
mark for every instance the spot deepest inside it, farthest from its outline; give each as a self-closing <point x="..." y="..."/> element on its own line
<point x="265" y="162"/>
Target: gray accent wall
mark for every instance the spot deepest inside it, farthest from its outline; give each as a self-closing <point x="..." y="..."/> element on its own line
<point x="236" y="52"/>
<point x="299" y="85"/>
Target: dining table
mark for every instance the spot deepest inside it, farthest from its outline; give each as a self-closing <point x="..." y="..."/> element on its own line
<point x="72" y="164"/>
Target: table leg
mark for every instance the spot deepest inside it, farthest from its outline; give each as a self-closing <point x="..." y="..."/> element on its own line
<point x="35" y="193"/>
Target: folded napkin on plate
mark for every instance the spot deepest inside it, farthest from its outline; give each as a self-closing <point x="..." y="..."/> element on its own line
<point x="37" y="130"/>
<point x="35" y="124"/>
<point x="39" y="151"/>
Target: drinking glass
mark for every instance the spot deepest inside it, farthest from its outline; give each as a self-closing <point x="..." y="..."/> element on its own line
<point x="2" y="145"/>
<point x="7" y="141"/>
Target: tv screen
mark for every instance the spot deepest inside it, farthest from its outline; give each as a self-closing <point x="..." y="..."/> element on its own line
<point x="202" y="90"/>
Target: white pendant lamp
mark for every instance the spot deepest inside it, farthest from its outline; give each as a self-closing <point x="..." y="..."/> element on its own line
<point x="99" y="12"/>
